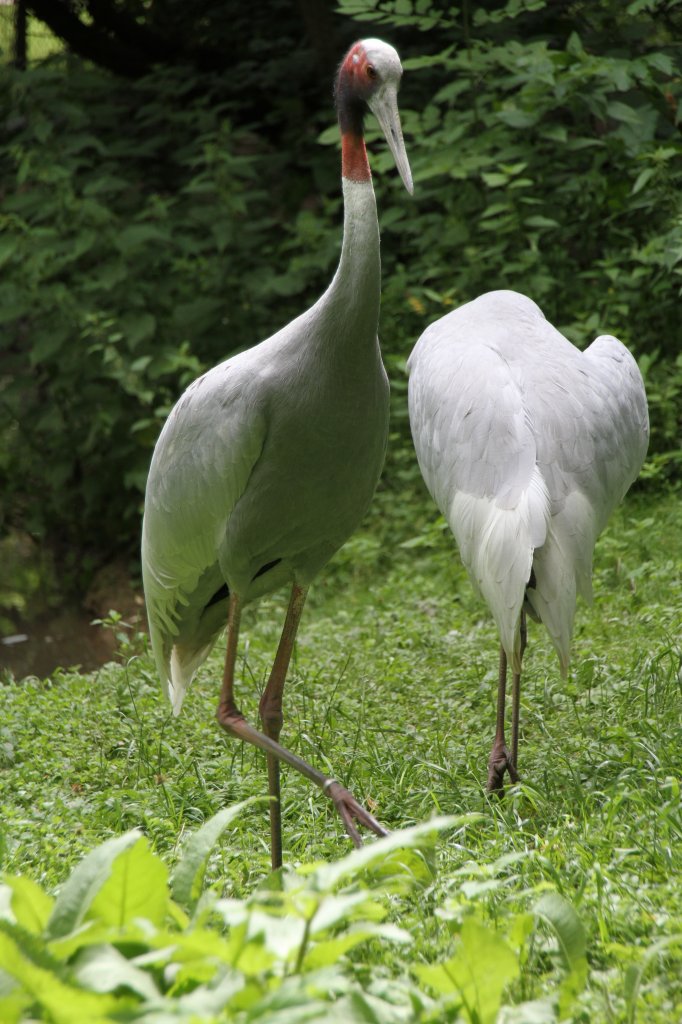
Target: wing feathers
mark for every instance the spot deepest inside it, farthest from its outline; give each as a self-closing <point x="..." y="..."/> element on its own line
<point x="201" y="466"/>
<point x="496" y="545"/>
<point x="526" y="445"/>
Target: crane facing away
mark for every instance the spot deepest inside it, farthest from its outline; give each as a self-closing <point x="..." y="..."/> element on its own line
<point x="526" y="445"/>
<point x="268" y="462"/>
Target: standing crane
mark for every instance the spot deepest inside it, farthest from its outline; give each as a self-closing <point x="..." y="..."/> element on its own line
<point x="526" y="445"/>
<point x="268" y="462"/>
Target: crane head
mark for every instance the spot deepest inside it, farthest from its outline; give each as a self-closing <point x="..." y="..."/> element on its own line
<point x="369" y="76"/>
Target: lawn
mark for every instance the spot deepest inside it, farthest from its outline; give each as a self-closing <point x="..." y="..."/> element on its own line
<point x="562" y="901"/>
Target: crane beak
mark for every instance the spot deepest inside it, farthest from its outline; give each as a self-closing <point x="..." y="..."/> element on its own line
<point x="384" y="106"/>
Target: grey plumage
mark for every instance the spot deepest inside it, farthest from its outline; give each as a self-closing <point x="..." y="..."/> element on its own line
<point x="526" y="445"/>
<point x="269" y="461"/>
<point x="272" y="455"/>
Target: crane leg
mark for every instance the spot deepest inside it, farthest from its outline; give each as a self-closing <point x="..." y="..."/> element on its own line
<point x="231" y="719"/>
<point x="272" y="718"/>
<point x="500" y="759"/>
<point x="516" y="701"/>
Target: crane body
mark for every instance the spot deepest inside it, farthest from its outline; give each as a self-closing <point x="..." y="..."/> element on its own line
<point x="269" y="461"/>
<point x="526" y="445"/>
<point x="294" y="428"/>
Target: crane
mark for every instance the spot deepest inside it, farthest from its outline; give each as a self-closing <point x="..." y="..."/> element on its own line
<point x="268" y="462"/>
<point x="526" y="444"/>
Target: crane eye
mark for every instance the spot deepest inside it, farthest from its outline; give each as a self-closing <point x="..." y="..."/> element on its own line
<point x="371" y="71"/>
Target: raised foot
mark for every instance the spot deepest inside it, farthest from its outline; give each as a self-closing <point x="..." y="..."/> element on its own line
<point x="350" y="810"/>
<point x="500" y="761"/>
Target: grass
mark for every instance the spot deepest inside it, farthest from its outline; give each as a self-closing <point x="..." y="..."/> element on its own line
<point x="392" y="690"/>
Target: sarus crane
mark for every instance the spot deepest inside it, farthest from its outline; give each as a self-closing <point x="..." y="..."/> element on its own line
<point x="526" y="444"/>
<point x="268" y="462"/>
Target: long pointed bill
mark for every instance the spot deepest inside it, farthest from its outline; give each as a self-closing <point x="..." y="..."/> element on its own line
<point x="384" y="106"/>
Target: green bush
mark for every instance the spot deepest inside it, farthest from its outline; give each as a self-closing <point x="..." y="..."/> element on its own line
<point x="123" y="942"/>
<point x="548" y="159"/>
<point x="132" y="255"/>
<point x="148" y="233"/>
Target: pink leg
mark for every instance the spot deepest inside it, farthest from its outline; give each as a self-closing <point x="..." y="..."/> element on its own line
<point x="516" y="701"/>
<point x="272" y="718"/>
<point x="500" y="759"/>
<point x="231" y="719"/>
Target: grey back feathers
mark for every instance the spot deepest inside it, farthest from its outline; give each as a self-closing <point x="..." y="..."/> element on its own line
<point x="526" y="445"/>
<point x="269" y="461"/>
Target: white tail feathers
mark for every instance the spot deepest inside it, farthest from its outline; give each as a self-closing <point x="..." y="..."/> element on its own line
<point x="563" y="568"/>
<point x="180" y="673"/>
<point x="497" y="547"/>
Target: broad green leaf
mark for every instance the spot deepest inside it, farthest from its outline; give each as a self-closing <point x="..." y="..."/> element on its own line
<point x="104" y="969"/>
<point x="330" y="951"/>
<point x="62" y="1003"/>
<point x="537" y="1011"/>
<point x="480" y="970"/>
<point x="192" y="946"/>
<point x="538" y="221"/>
<point x="84" y="883"/>
<point x="136" y="236"/>
<point x="494" y="179"/>
<point x="94" y="933"/>
<point x="520" y="930"/>
<point x="560" y="915"/>
<point x="254" y="958"/>
<point x="517" y="118"/>
<point x="281" y="935"/>
<point x="345" y="906"/>
<point x="30" y="905"/>
<point x="136" y="888"/>
<point x="14" y="1006"/>
<point x="642" y="178"/>
<point x="188" y="876"/>
<point x="621" y="112"/>
<point x="207" y="1001"/>
<point x="384" y="854"/>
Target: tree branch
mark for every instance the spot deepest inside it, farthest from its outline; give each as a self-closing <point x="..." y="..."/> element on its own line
<point x="88" y="41"/>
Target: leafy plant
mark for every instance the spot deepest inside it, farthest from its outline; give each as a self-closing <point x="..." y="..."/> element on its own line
<point x="115" y="945"/>
<point x="149" y="229"/>
<point x="547" y="158"/>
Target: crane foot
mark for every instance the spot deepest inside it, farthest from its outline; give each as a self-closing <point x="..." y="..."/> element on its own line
<point x="500" y="761"/>
<point x="350" y="811"/>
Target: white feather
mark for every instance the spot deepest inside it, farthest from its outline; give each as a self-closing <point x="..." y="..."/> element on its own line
<point x="526" y="445"/>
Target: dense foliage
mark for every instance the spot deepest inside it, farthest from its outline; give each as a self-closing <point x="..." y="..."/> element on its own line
<point x="149" y="229"/>
<point x="117" y="945"/>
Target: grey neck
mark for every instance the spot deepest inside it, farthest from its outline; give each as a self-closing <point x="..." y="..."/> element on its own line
<point x="354" y="294"/>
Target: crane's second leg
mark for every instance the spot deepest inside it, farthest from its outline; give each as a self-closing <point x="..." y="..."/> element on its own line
<point x="231" y="719"/>
<point x="271" y="715"/>
<point x="500" y="759"/>
<point x="516" y="701"/>
<point x="227" y="704"/>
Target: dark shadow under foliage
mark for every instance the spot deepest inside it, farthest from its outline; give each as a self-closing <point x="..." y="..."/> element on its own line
<point x="152" y="226"/>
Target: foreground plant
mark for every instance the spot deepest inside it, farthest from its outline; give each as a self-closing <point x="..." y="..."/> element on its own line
<point x="124" y="942"/>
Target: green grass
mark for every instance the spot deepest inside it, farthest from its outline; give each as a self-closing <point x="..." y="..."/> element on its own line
<point x="393" y="689"/>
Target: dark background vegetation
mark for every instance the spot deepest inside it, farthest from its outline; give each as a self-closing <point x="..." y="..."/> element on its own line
<point x="169" y="184"/>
